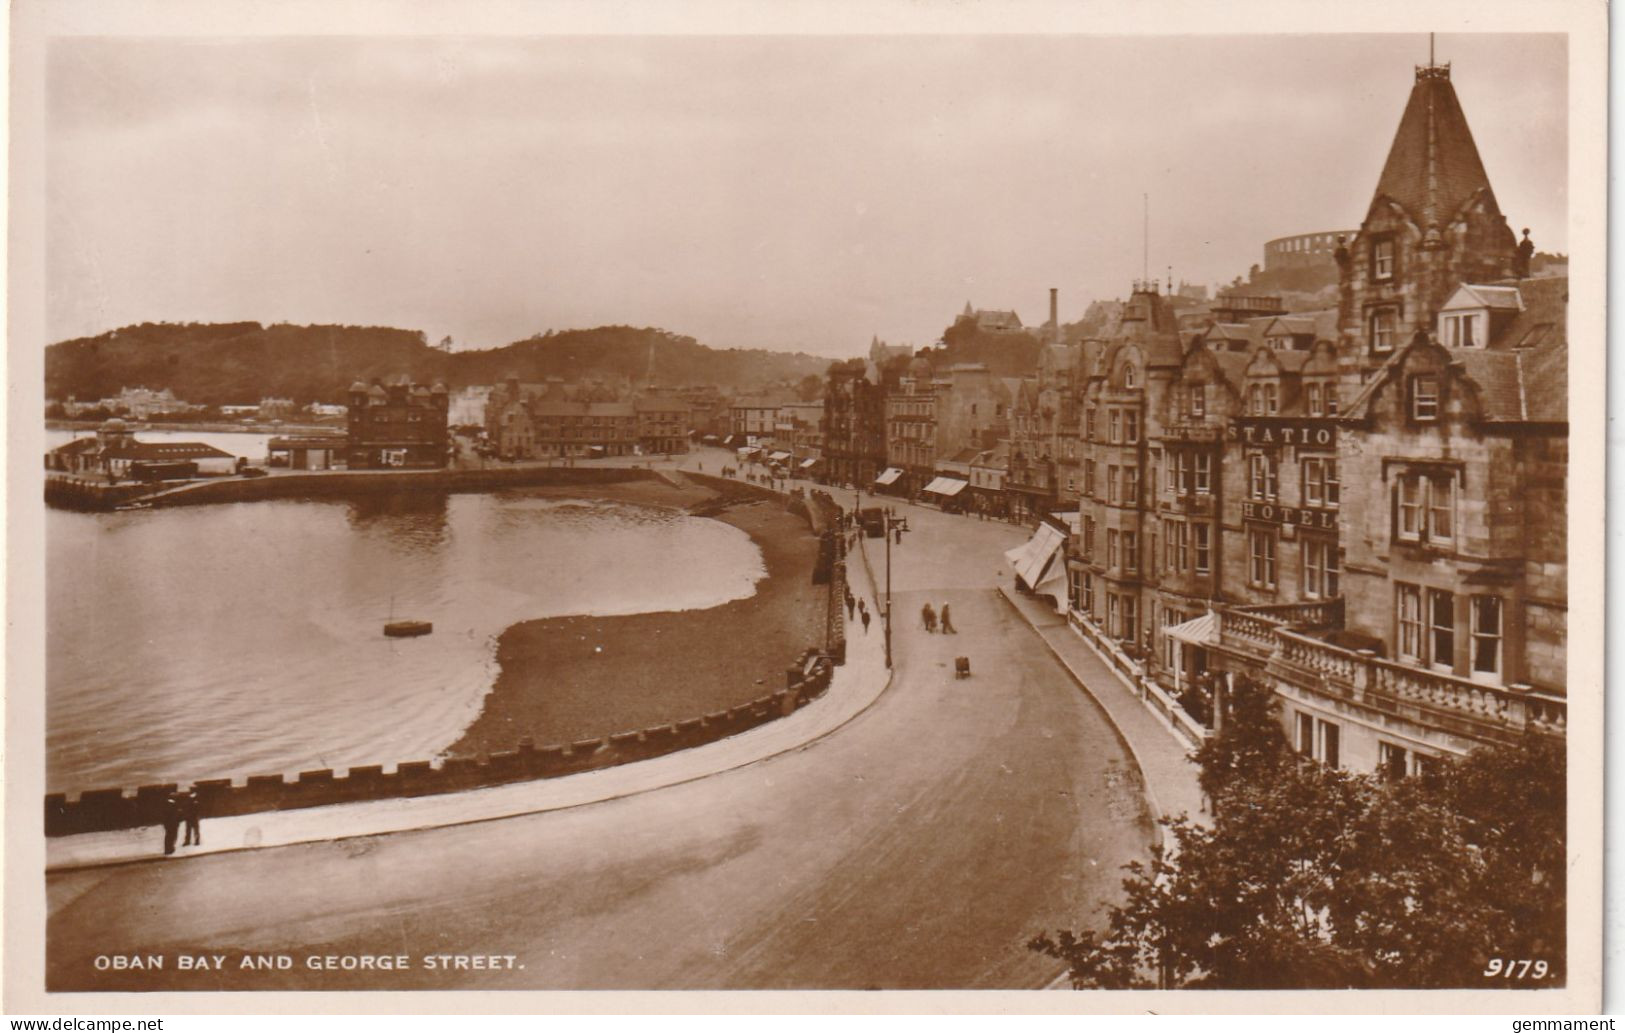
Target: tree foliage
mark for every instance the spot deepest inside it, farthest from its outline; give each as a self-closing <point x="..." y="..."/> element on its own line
<point x="1310" y="877"/>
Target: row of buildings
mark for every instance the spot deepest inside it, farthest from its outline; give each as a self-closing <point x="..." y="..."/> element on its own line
<point x="1363" y="505"/>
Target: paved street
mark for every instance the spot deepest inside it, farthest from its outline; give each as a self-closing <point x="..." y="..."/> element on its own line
<point x="916" y="846"/>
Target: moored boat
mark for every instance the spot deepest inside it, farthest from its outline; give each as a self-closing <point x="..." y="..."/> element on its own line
<point x="407" y="629"/>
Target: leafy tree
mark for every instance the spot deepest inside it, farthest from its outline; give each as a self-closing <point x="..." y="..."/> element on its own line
<point x="1314" y="877"/>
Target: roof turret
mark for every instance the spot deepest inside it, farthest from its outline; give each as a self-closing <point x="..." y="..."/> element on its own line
<point x="1433" y="167"/>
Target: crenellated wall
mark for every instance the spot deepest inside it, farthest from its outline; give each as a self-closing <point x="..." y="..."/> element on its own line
<point x="102" y="810"/>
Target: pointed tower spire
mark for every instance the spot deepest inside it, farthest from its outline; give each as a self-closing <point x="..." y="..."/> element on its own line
<point x="1433" y="167"/>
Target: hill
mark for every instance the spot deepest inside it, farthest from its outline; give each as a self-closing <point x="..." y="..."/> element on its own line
<point x="240" y="363"/>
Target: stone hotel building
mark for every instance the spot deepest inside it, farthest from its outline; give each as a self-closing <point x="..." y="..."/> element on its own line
<point x="1365" y="507"/>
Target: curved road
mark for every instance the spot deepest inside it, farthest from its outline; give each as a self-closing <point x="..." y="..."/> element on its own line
<point x="919" y="846"/>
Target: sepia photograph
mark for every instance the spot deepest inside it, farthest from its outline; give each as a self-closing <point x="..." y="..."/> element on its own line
<point x="951" y="505"/>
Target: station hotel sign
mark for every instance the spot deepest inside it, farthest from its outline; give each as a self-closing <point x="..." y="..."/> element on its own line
<point x="1313" y="517"/>
<point x="1299" y="433"/>
<point x="1283" y="430"/>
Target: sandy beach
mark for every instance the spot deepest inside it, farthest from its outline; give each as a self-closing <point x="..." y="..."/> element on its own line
<point x="569" y="678"/>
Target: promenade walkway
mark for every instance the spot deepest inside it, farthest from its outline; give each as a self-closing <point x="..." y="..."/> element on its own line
<point x="1170" y="774"/>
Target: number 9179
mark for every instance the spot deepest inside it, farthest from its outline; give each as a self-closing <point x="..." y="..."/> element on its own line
<point x="1517" y="968"/>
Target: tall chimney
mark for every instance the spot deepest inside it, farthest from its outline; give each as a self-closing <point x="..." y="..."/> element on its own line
<point x="1054" y="317"/>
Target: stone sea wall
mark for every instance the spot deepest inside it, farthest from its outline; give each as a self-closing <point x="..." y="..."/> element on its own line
<point x="102" y="810"/>
<point x="357" y="482"/>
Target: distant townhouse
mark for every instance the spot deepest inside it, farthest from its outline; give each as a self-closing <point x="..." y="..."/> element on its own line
<point x="662" y="423"/>
<point x="397" y="425"/>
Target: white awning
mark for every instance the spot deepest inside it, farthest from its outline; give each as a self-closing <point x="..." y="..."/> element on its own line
<point x="749" y="450"/>
<point x="779" y="457"/>
<point x="808" y="462"/>
<point x="1053" y="582"/>
<point x="891" y="474"/>
<point x="1033" y="560"/>
<point x="946" y="486"/>
<point x="1198" y="631"/>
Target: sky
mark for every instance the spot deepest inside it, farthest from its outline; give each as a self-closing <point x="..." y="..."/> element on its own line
<point x="791" y="193"/>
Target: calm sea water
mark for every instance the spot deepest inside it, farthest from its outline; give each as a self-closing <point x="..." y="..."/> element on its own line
<point x="239" y="639"/>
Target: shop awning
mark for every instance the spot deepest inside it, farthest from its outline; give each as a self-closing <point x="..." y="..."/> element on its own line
<point x="1034" y="560"/>
<point x="890" y="474"/>
<point x="1053" y="582"/>
<point x="946" y="486"/>
<point x="779" y="457"/>
<point x="1198" y="631"/>
<point x="748" y="450"/>
<point x="808" y="462"/>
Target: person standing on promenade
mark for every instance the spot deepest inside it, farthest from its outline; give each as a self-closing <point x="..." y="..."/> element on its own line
<point x="172" y="822"/>
<point x="899" y="531"/>
<point x="928" y="617"/>
<point x="191" y="818"/>
<point x="947" y="622"/>
<point x="865" y="615"/>
<point x="851" y="605"/>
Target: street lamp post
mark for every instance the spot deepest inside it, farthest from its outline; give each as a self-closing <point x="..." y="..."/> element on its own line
<point x="890" y="524"/>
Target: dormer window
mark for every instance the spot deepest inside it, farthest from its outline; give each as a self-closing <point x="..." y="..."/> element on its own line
<point x="1128" y="375"/>
<point x="1462" y="329"/>
<point x="1199" y="400"/>
<point x="1271" y="402"/>
<point x="1313" y="403"/>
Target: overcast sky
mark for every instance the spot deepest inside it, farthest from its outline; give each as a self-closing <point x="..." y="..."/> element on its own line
<point x="787" y="193"/>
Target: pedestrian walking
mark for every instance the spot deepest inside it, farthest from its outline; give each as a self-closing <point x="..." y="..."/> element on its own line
<point x="947" y="622"/>
<point x="851" y="605"/>
<point x="928" y="617"/>
<point x="899" y="532"/>
<point x="172" y="822"/>
<point x="865" y="616"/>
<point x="190" y="818"/>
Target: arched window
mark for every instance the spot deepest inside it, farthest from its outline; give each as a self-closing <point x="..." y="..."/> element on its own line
<point x="1128" y="375"/>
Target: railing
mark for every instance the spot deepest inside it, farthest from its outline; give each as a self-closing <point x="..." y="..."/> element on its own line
<point x="1248" y="631"/>
<point x="1186" y="728"/>
<point x="1332" y="666"/>
<point x="1324" y="613"/>
<point x="1495" y="705"/>
<point x="1446" y="700"/>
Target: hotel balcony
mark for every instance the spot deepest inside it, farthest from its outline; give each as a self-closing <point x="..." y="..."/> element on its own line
<point x="1275" y="638"/>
